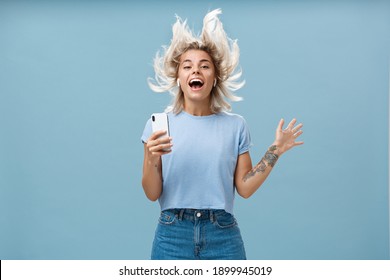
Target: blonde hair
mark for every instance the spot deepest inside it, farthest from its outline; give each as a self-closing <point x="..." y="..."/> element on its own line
<point x="223" y="51"/>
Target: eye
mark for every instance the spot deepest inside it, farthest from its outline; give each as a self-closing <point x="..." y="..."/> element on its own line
<point x="186" y="67"/>
<point x="205" y="67"/>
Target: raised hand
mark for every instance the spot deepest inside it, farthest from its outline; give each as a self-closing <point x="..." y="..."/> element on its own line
<point x="285" y="139"/>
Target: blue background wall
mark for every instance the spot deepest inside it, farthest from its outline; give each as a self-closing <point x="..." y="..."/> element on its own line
<point x="74" y="101"/>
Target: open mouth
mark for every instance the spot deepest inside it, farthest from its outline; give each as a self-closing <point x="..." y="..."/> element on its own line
<point x="196" y="84"/>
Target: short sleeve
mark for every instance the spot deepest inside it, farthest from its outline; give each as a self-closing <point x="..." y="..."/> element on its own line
<point x="147" y="131"/>
<point x="245" y="141"/>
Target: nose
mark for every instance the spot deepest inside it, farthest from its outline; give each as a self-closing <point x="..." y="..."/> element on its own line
<point x="196" y="70"/>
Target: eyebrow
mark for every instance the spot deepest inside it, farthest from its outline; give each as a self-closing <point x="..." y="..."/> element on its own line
<point x="202" y="60"/>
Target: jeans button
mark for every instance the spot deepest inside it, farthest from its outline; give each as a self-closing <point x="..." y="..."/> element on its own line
<point x="198" y="214"/>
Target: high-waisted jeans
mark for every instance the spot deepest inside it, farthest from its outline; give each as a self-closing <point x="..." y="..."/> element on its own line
<point x="190" y="234"/>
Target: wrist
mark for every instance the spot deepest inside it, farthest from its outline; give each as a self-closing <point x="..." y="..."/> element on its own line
<point x="272" y="155"/>
<point x="276" y="148"/>
<point x="153" y="160"/>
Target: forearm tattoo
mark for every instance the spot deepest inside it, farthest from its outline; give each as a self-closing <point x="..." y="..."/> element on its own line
<point x="270" y="158"/>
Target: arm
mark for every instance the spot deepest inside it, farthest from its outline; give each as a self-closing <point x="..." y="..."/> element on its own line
<point x="248" y="179"/>
<point x="152" y="167"/>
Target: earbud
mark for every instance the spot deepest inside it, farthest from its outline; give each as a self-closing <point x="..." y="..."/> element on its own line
<point x="178" y="83"/>
<point x="215" y="82"/>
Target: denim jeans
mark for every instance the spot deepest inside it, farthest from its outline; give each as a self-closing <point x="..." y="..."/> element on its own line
<point x="190" y="234"/>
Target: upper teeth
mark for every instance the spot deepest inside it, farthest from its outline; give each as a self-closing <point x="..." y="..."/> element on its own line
<point x="196" y="80"/>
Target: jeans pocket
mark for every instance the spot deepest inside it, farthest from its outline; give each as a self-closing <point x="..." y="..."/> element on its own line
<point x="167" y="218"/>
<point x="224" y="220"/>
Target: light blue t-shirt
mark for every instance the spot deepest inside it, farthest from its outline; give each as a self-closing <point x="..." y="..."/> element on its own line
<point x="199" y="172"/>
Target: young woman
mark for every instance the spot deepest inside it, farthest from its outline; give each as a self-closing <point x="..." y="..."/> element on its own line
<point x="195" y="172"/>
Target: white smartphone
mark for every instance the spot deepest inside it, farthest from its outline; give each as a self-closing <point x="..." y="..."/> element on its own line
<point x="160" y="122"/>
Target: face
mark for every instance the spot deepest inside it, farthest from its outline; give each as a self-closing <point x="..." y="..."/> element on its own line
<point x="196" y="75"/>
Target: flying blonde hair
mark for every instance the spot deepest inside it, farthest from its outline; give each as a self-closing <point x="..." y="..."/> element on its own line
<point x="223" y="51"/>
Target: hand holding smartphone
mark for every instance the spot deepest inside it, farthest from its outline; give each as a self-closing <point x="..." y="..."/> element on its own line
<point x="160" y="122"/>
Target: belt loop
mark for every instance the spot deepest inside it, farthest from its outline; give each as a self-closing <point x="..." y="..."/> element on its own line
<point x="212" y="216"/>
<point x="181" y="213"/>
